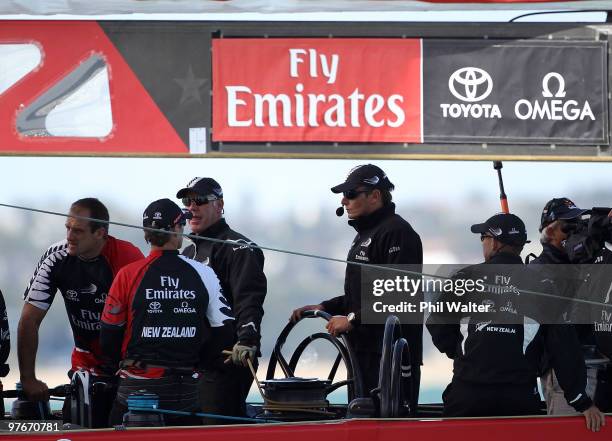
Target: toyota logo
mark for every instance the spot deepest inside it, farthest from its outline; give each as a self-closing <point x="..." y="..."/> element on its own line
<point x="72" y="294"/>
<point x="154" y="305"/>
<point x="474" y="83"/>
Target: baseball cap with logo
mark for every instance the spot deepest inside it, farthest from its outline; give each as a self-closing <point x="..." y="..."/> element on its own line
<point x="504" y="227"/>
<point x="202" y="186"/>
<point x="367" y="175"/>
<point x="559" y="208"/>
<point x="164" y="214"/>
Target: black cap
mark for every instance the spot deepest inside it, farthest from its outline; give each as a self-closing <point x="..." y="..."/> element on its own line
<point x="367" y="175"/>
<point x="203" y="187"/>
<point x="164" y="214"/>
<point x="559" y="208"/>
<point x="505" y="227"/>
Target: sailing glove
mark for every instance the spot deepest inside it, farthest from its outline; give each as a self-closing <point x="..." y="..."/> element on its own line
<point x="240" y="353"/>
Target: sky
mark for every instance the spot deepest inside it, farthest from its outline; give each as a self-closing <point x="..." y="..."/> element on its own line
<point x="278" y="185"/>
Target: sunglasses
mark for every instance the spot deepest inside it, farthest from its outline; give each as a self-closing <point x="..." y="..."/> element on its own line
<point x="352" y="194"/>
<point x="198" y="200"/>
<point x="484" y="236"/>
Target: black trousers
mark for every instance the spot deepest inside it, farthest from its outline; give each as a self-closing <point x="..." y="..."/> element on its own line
<point x="224" y="392"/>
<point x="175" y="392"/>
<point x="603" y="392"/>
<point x="369" y="364"/>
<point x="463" y="399"/>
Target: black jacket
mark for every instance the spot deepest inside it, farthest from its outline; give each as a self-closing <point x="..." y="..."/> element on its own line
<point x="240" y="271"/>
<point x="166" y="310"/>
<point x="504" y="347"/>
<point x="383" y="237"/>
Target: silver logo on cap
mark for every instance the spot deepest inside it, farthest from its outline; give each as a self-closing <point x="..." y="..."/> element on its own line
<point x="495" y="231"/>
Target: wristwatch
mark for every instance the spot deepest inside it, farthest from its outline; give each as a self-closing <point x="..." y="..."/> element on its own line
<point x="351" y="317"/>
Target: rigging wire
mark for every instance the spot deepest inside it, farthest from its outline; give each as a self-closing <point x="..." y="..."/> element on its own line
<point x="529" y="14"/>
<point x="212" y="239"/>
<point x="294" y="253"/>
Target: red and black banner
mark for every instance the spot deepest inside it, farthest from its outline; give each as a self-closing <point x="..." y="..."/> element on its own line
<point x="100" y="88"/>
<point x="134" y="123"/>
<point x="409" y="91"/>
<point x="181" y="88"/>
<point x="334" y="90"/>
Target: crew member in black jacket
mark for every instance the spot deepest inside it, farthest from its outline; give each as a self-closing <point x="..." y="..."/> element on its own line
<point x="554" y="262"/>
<point x="383" y="237"/>
<point x="239" y="266"/>
<point x="496" y="353"/>
<point x="591" y="282"/>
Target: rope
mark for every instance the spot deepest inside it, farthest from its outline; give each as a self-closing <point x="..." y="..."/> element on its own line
<point x="294" y="253"/>
<point x="202" y="415"/>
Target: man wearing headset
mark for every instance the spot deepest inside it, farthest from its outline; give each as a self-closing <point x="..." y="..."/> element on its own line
<point x="383" y="237"/>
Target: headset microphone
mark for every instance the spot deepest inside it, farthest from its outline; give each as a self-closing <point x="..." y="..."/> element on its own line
<point x="339" y="211"/>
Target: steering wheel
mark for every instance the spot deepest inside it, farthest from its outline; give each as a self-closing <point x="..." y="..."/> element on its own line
<point x="345" y="354"/>
<point x="401" y="386"/>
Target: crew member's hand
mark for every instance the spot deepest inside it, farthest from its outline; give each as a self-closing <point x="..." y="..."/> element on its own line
<point x="35" y="390"/>
<point x="338" y="324"/>
<point x="240" y="353"/>
<point x="594" y="418"/>
<point x="297" y="313"/>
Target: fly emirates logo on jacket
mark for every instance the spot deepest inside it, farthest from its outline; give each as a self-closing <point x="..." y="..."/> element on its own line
<point x="169" y="289"/>
<point x="317" y="90"/>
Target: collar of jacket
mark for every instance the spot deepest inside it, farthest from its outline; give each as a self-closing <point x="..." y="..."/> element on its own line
<point x="504" y="257"/>
<point x="366" y="222"/>
<point x="554" y="254"/>
<point x="214" y="229"/>
<point x="163" y="252"/>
